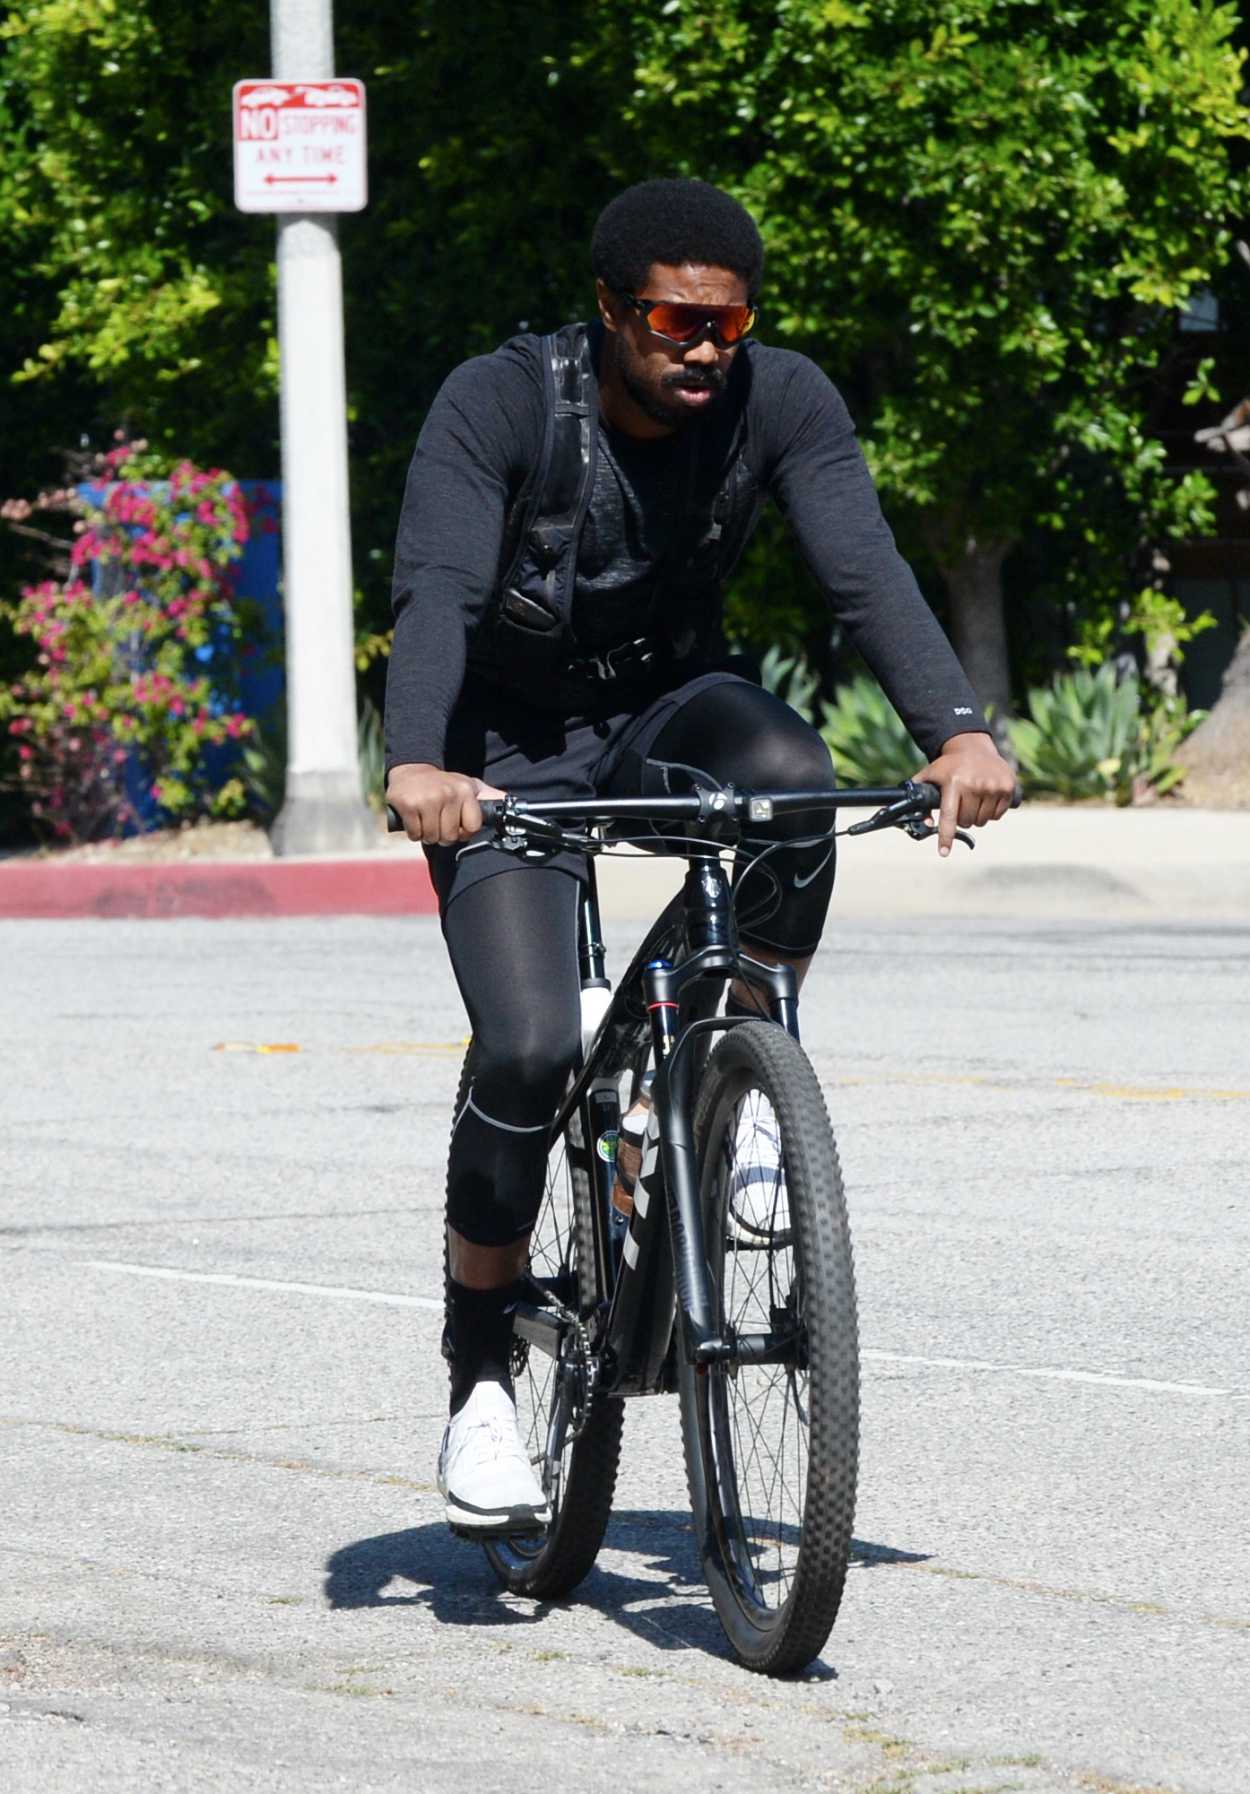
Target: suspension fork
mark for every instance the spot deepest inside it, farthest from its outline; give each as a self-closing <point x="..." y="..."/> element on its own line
<point x="779" y="986"/>
<point x="712" y="936"/>
<point x="639" y="1324"/>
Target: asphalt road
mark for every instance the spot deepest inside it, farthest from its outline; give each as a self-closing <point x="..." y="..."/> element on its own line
<point x="223" y="1563"/>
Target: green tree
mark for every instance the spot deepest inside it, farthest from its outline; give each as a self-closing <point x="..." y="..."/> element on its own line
<point x="983" y="215"/>
<point x="116" y="209"/>
<point x="141" y="297"/>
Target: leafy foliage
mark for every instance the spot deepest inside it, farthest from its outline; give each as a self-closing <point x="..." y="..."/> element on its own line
<point x="134" y="673"/>
<point x="1090" y="735"/>
<point x="867" y="737"/>
<point x="981" y="217"/>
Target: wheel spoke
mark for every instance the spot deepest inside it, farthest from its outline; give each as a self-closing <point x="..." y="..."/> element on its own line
<point x="757" y="1417"/>
<point x="551" y="1261"/>
<point x="574" y="1452"/>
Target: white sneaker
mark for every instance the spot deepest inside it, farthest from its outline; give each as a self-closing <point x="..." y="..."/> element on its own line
<point x="484" y="1472"/>
<point x="758" y="1207"/>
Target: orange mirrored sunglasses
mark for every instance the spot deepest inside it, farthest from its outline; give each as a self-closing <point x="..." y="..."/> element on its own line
<point x="675" y="322"/>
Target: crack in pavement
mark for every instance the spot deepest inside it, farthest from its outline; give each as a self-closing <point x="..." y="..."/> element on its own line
<point x="172" y="1444"/>
<point x="36" y="1228"/>
<point x="892" y="1762"/>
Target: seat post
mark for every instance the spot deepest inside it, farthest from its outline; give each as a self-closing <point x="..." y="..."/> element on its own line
<point x="590" y="953"/>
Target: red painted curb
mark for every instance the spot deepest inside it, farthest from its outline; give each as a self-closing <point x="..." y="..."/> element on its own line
<point x="219" y="888"/>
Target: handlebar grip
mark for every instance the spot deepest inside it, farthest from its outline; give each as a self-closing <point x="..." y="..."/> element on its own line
<point x="932" y="795"/>
<point x="491" y="807"/>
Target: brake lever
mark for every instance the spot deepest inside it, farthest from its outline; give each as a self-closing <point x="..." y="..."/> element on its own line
<point x="517" y="838"/>
<point x="895" y="815"/>
<point x="920" y="830"/>
<point x="892" y="816"/>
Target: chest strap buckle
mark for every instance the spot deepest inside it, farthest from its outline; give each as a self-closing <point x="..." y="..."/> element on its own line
<point x="623" y="662"/>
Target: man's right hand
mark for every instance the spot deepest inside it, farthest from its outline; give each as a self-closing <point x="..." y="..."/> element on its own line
<point x="437" y="806"/>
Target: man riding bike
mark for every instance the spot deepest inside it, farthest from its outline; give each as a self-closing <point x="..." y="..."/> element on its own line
<point x="574" y="508"/>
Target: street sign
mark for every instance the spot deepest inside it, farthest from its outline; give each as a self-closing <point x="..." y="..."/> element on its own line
<point x="299" y="146"/>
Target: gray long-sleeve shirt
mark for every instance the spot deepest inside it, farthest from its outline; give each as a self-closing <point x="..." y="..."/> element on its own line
<point x="482" y="438"/>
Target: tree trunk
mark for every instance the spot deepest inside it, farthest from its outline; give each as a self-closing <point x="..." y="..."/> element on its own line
<point x="1217" y="755"/>
<point x="974" y="580"/>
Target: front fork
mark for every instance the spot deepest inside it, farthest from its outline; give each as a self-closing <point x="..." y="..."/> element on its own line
<point x="712" y="935"/>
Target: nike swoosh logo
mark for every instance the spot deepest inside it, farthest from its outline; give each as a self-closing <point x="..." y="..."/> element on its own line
<point x="801" y="883"/>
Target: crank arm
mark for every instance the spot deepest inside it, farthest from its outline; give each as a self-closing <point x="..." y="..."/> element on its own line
<point x="539" y="1327"/>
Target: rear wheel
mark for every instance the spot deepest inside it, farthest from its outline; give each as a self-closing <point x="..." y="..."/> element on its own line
<point x="571" y="1432"/>
<point x="772" y="1448"/>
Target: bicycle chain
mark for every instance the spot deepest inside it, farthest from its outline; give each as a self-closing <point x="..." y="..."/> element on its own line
<point x="589" y="1366"/>
<point x="588" y="1361"/>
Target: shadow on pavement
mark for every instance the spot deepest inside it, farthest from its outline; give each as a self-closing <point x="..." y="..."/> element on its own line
<point x="425" y="1566"/>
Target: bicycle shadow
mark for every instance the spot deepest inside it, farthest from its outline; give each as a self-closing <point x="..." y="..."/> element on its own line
<point x="666" y="1603"/>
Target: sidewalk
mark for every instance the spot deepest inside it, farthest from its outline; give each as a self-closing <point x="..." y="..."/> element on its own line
<point x="1045" y="862"/>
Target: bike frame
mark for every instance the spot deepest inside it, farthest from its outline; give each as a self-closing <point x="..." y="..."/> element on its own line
<point x="664" y="1009"/>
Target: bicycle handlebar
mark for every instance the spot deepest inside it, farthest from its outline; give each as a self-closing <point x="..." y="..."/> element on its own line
<point x="703" y="805"/>
<point x="913" y="797"/>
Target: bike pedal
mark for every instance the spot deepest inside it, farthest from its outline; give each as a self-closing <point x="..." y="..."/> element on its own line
<point x="488" y="1535"/>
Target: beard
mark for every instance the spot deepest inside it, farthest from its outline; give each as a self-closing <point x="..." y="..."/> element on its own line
<point x="650" y="396"/>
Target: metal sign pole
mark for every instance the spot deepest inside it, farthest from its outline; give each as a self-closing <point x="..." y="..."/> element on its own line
<point x="323" y="810"/>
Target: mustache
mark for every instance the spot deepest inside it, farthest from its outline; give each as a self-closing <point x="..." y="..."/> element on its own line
<point x="696" y="379"/>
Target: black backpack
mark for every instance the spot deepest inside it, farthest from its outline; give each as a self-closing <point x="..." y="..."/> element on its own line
<point x="526" y="638"/>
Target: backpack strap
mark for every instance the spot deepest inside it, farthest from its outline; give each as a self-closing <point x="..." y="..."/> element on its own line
<point x="536" y="595"/>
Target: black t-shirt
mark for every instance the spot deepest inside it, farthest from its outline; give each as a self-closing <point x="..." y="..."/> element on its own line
<point x="625" y="536"/>
<point x="481" y="439"/>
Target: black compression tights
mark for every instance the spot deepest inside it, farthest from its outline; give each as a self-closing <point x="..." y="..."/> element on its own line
<point x="738" y="734"/>
<point x="513" y="945"/>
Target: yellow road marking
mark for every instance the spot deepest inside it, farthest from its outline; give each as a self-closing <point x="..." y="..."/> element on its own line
<point x="1129" y="1093"/>
<point x="377" y="1046"/>
<point x="1146" y="1093"/>
<point x="1137" y="1093"/>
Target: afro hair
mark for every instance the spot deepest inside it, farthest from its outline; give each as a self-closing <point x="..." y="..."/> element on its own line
<point x="674" y="221"/>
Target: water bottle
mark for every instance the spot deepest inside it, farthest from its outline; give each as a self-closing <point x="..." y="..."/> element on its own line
<point x="629" y="1148"/>
<point x="596" y="997"/>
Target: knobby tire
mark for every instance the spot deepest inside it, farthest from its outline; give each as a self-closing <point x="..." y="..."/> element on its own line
<point x="776" y="1582"/>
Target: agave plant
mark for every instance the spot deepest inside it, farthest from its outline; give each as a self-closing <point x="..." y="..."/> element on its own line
<point x="1089" y="735"/>
<point x="264" y="760"/>
<point x="867" y="737"/>
<point x="264" y="763"/>
<point x="790" y="677"/>
<point x="371" y="750"/>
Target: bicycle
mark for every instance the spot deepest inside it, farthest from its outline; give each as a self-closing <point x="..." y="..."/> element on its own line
<point x="754" y="1327"/>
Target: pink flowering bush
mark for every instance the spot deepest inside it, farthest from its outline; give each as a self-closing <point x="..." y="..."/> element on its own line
<point x="110" y="726"/>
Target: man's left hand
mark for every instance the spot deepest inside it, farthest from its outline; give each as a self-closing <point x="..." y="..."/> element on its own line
<point x="977" y="785"/>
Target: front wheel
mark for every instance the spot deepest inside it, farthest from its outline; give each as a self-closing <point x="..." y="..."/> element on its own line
<point x="772" y="1447"/>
